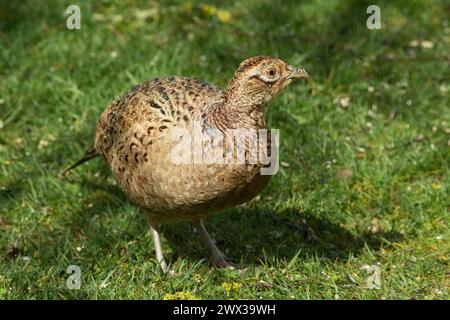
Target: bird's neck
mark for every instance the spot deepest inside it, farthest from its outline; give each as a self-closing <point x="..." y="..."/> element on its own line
<point x="236" y="111"/>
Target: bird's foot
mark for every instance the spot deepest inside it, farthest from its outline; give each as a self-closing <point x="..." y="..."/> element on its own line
<point x="221" y="262"/>
<point x="165" y="268"/>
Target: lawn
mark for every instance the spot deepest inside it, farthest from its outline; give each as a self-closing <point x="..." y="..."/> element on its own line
<point x="363" y="189"/>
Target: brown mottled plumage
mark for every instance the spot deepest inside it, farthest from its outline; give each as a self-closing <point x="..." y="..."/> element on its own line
<point x="135" y="136"/>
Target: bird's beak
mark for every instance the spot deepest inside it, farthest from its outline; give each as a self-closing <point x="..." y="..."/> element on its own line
<point x="297" y="73"/>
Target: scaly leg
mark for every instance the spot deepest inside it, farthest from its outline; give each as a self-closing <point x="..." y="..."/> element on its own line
<point x="158" y="249"/>
<point x="156" y="241"/>
<point x="217" y="257"/>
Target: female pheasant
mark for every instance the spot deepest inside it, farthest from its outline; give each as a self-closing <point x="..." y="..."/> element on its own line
<point x="135" y="135"/>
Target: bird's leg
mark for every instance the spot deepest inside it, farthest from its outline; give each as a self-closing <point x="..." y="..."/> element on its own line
<point x="158" y="249"/>
<point x="157" y="241"/>
<point x="217" y="257"/>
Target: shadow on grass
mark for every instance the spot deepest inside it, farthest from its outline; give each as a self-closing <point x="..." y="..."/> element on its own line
<point x="249" y="237"/>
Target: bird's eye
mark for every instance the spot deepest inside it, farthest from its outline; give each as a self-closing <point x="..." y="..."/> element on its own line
<point x="268" y="75"/>
<point x="271" y="72"/>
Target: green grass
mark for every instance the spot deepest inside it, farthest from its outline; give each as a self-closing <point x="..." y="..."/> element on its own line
<point x="368" y="182"/>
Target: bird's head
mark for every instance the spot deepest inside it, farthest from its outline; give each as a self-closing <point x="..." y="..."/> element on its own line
<point x="260" y="78"/>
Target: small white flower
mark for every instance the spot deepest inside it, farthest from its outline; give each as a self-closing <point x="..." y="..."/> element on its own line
<point x="344" y="101"/>
<point x="42" y="143"/>
<point x="427" y="44"/>
<point x="360" y="149"/>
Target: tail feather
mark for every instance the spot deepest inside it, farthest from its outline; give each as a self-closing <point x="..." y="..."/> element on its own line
<point x="90" y="154"/>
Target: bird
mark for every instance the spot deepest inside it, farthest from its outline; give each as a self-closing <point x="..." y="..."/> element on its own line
<point x="136" y="135"/>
